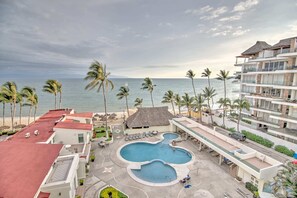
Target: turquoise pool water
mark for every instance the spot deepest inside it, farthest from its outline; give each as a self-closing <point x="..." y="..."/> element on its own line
<point x="142" y="151"/>
<point x="156" y="172"/>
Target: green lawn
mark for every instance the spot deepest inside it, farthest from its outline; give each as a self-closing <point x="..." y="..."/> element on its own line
<point x="115" y="193"/>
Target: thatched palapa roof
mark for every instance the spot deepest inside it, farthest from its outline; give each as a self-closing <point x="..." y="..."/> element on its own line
<point x="150" y="116"/>
<point x="283" y="43"/>
<point x="258" y="47"/>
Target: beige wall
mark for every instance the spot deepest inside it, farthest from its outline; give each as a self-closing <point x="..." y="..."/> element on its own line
<point x="70" y="136"/>
<point x="155" y="128"/>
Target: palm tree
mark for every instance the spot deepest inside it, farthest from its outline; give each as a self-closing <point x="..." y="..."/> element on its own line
<point x="3" y="99"/>
<point x="20" y="102"/>
<point x="148" y="85"/>
<point x="98" y="77"/>
<point x="188" y="102"/>
<point x="169" y="98"/>
<point x="10" y="90"/>
<point x="59" y="90"/>
<point x="190" y="74"/>
<point x="51" y="86"/>
<point x="224" y="103"/>
<point x="138" y="102"/>
<point x="208" y="94"/>
<point x="223" y="76"/>
<point x="178" y="102"/>
<point x="124" y="92"/>
<point x="285" y="182"/>
<point x="207" y="74"/>
<point x="31" y="100"/>
<point x="199" y="103"/>
<point x="241" y="104"/>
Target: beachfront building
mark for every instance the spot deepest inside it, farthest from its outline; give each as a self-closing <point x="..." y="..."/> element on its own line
<point x="245" y="164"/>
<point x="269" y="83"/>
<point x="62" y="128"/>
<point x="149" y="119"/>
<point x="37" y="170"/>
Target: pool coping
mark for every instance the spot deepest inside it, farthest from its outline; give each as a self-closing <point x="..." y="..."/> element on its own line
<point x="181" y="170"/>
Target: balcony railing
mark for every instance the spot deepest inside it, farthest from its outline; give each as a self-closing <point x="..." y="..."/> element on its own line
<point x="280" y="68"/>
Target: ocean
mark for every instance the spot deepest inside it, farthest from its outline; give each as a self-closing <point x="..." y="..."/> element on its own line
<point x="75" y="96"/>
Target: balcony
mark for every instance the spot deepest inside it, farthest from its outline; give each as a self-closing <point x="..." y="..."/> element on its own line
<point x="288" y="53"/>
<point x="288" y="102"/>
<point x="260" y="120"/>
<point x="286" y="132"/>
<point x="277" y="70"/>
<point x="268" y="97"/>
<point x="264" y="110"/>
<point x="286" y="118"/>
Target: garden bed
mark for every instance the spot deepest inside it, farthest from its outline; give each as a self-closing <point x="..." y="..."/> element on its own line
<point x="111" y="192"/>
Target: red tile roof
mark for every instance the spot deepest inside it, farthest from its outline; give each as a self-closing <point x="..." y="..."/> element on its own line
<point x="44" y="195"/>
<point x="82" y="115"/>
<point x="44" y="125"/>
<point x="23" y="167"/>
<point x="74" y="125"/>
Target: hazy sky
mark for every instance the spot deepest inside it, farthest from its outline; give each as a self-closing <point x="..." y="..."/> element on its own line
<point x="135" y="38"/>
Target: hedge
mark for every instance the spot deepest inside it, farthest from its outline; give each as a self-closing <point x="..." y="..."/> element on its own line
<point x="258" y="139"/>
<point x="251" y="187"/>
<point x="284" y="150"/>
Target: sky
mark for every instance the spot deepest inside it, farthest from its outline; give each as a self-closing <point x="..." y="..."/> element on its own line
<point x="135" y="38"/>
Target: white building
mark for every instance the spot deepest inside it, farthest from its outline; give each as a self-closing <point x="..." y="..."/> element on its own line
<point x="269" y="82"/>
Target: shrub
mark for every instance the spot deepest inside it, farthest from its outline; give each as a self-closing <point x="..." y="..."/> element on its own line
<point x="92" y="158"/>
<point x="81" y="182"/>
<point x="232" y="130"/>
<point x="284" y="150"/>
<point x="110" y="190"/>
<point x="0" y="133"/>
<point x="258" y="139"/>
<point x="11" y="132"/>
<point x="251" y="187"/>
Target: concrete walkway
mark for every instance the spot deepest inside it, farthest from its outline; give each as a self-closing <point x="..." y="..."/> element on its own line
<point x="206" y="175"/>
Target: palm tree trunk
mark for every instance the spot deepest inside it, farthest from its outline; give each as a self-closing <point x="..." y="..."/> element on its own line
<point x="200" y="117"/>
<point x="11" y="114"/>
<point x="173" y="108"/>
<point x="60" y="100"/>
<point x="127" y="106"/>
<point x="152" y="99"/>
<point x="105" y="110"/>
<point x="20" y="113"/>
<point x="189" y="112"/>
<point x="13" y="110"/>
<point x="55" y="101"/>
<point x="194" y="87"/>
<point x="210" y="111"/>
<point x="208" y="79"/>
<point x="35" y="109"/>
<point x="224" y="106"/>
<point x="178" y="109"/>
<point x="30" y="111"/>
<point x="239" y="116"/>
<point x="3" y="115"/>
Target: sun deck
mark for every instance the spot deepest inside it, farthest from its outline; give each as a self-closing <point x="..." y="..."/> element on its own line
<point x="60" y="170"/>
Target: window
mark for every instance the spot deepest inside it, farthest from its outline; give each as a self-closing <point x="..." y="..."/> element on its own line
<point x="81" y="138"/>
<point x="254" y="181"/>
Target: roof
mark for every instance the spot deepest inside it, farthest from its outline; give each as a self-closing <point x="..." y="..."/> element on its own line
<point x="43" y="195"/>
<point x="283" y="43"/>
<point x="82" y="115"/>
<point x="60" y="170"/>
<point x="150" y="116"/>
<point x="74" y="125"/>
<point x="24" y="167"/>
<point x="258" y="47"/>
<point x="44" y="125"/>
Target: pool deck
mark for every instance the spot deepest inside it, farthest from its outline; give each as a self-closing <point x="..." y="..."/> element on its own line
<point x="206" y="175"/>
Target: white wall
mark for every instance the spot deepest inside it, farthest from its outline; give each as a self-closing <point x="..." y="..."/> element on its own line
<point x="70" y="136"/>
<point x="80" y="119"/>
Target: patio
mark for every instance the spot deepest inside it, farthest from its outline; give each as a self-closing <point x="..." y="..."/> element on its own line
<point x="206" y="175"/>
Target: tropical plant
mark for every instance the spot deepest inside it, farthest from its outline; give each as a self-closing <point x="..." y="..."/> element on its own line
<point x="199" y="103"/>
<point x="207" y="74"/>
<point x="224" y="103"/>
<point x="223" y="76"/>
<point x="10" y="90"/>
<point x="169" y="98"/>
<point x="148" y="85"/>
<point x="285" y="182"/>
<point x="98" y="77"/>
<point x="59" y="90"/>
<point x="190" y="74"/>
<point x="187" y="101"/>
<point x="241" y="104"/>
<point x="51" y="86"/>
<point x="138" y="102"/>
<point x="178" y="102"/>
<point x="31" y="100"/>
<point x="20" y="102"/>
<point x="208" y="94"/>
<point x="124" y="92"/>
<point x="3" y="99"/>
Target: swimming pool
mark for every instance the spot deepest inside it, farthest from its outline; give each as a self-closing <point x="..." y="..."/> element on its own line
<point x="156" y="172"/>
<point x="144" y="151"/>
<point x="156" y="163"/>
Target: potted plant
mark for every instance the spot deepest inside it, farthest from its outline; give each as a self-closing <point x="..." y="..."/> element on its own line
<point x="92" y="158"/>
<point x="81" y="182"/>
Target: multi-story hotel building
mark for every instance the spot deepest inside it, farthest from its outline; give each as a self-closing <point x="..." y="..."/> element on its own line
<point x="269" y="83"/>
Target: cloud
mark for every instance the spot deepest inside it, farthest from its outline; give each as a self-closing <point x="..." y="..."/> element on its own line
<point x="215" y="13"/>
<point x="240" y="32"/>
<point x="245" y="5"/>
<point x="235" y="17"/>
<point x="202" y="10"/>
<point x="167" y="24"/>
